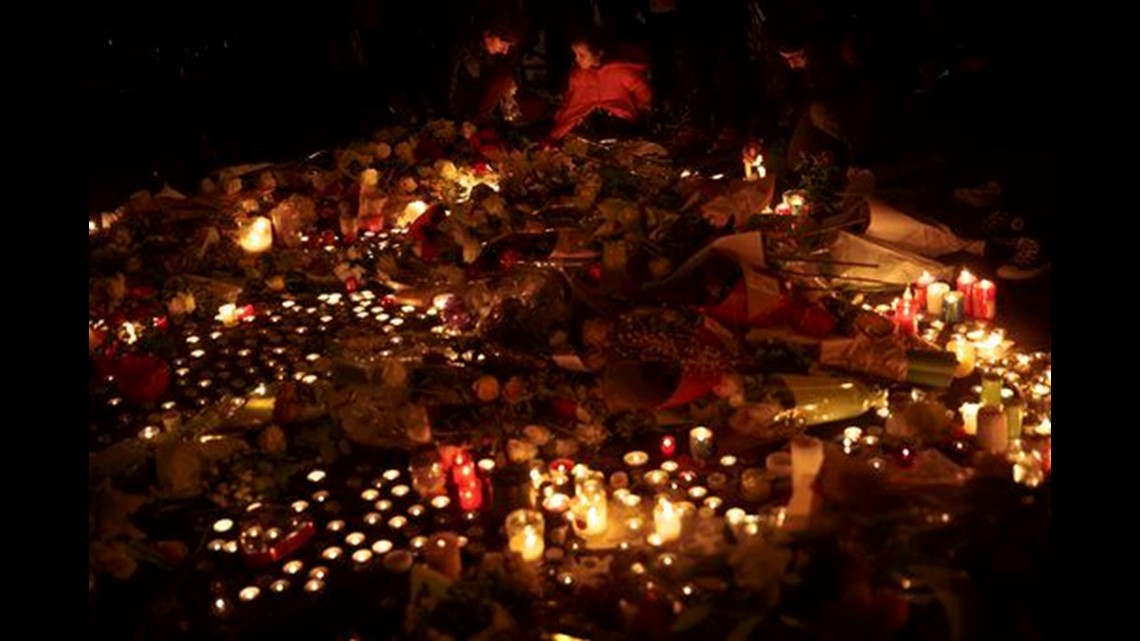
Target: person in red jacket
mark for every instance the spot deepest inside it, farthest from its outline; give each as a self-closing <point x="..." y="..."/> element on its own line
<point x="609" y="95"/>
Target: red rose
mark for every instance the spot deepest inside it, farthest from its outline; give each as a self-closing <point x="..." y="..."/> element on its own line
<point x="813" y="321"/>
<point x="142" y="379"/>
<point x="509" y="259"/>
<point x="564" y="408"/>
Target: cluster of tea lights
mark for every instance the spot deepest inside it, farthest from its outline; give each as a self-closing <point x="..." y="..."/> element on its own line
<point x="251" y="346"/>
<point x="366" y="526"/>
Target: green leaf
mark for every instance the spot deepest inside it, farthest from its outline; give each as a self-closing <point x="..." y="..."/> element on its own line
<point x="692" y="617"/>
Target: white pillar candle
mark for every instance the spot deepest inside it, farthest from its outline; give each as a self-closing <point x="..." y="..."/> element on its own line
<point x="807" y="460"/>
<point x="992" y="430"/>
<point x="934" y="294"/>
<point x="970" y="417"/>
<point x="228" y="314"/>
<point x="667" y="520"/>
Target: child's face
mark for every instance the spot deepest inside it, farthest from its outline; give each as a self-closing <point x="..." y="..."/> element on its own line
<point x="795" y="59"/>
<point x="586" y="57"/>
<point x="495" y="45"/>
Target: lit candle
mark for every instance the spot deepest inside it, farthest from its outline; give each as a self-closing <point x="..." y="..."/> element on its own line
<point x="991" y="390"/>
<point x="257" y="236"/>
<point x="442" y="554"/>
<point x="556" y="503"/>
<point x="993" y="433"/>
<point x="636" y="458"/>
<point x="701" y="443"/>
<point x="904" y="315"/>
<point x="471" y="495"/>
<point x="666" y="520"/>
<point x="934" y="295"/>
<point x="1014" y="415"/>
<point x="228" y="315"/>
<point x="953" y="310"/>
<point x="668" y="446"/>
<point x="590" y="514"/>
<point x="526" y="534"/>
<point x="965" y="353"/>
<point x="966" y="282"/>
<point x="984" y="306"/>
<point x="921" y="286"/>
<point x="969" y="413"/>
<point x="464" y="469"/>
<point x="807" y="459"/>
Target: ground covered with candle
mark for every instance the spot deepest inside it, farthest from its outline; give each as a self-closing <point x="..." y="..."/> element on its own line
<point x="441" y="385"/>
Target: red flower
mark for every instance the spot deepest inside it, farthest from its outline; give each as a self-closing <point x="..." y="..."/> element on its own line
<point x="813" y="321"/>
<point x="509" y="258"/>
<point x="564" y="408"/>
<point x="142" y="379"/>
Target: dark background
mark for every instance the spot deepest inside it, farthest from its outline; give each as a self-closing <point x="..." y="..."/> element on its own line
<point x="177" y="89"/>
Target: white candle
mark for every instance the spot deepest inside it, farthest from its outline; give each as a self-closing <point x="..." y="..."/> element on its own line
<point x="934" y="294"/>
<point x="970" y="417"/>
<point x="965" y="353"/>
<point x="807" y="459"/>
<point x="525" y="534"/>
<point x="257" y="236"/>
<point x="701" y="443"/>
<point x="228" y="314"/>
<point x="667" y="520"/>
<point x="992" y="429"/>
<point x="590" y="514"/>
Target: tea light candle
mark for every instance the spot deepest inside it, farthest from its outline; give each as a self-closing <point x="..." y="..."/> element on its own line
<point x="717" y="481"/>
<point x="636" y="458"/>
<point x="526" y="534"/>
<point x="670" y="466"/>
<point x="383" y="546"/>
<point x="668" y="446"/>
<point x="228" y="315"/>
<point x="257" y="236"/>
<point x="590" y="513"/>
<point x="556" y="503"/>
<point x="442" y="554"/>
<point x="965" y="353"/>
<point x="656" y="478"/>
<point x="701" y="443"/>
<point x="985" y="300"/>
<point x="966" y="282"/>
<point x="666" y="520"/>
<point x="698" y="492"/>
